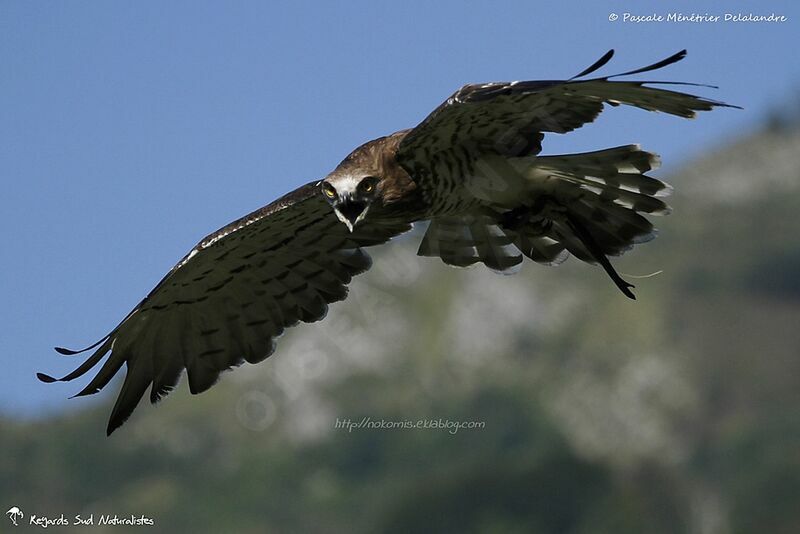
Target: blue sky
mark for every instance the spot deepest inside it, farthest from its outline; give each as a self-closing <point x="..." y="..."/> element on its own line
<point x="129" y="130"/>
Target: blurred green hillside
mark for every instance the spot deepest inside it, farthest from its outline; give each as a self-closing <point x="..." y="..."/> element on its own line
<point x="677" y="413"/>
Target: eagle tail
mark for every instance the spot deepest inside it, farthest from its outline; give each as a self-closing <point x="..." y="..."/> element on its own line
<point x="591" y="205"/>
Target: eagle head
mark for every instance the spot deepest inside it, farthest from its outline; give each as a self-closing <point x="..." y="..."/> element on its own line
<point x="350" y="196"/>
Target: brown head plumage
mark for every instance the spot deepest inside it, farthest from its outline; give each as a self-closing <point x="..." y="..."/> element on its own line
<point x="369" y="182"/>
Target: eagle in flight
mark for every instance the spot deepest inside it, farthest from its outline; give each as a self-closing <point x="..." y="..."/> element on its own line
<point x="472" y="168"/>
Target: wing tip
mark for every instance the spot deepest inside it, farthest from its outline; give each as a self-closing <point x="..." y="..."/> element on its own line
<point x="86" y="391"/>
<point x="120" y="414"/>
<point x="674" y="58"/>
<point x="71" y="352"/>
<point x="112" y="426"/>
<point x="47" y="379"/>
<point x="605" y="58"/>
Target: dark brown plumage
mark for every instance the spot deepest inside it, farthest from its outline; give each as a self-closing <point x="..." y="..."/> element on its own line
<point x="471" y="167"/>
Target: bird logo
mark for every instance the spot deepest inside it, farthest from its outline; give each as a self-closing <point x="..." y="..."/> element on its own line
<point x="14" y="513"/>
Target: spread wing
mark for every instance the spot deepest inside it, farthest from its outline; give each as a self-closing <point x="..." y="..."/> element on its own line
<point x="510" y="118"/>
<point x="228" y="300"/>
<point x="589" y="204"/>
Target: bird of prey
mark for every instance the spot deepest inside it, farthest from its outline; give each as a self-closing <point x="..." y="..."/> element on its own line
<point x="472" y="168"/>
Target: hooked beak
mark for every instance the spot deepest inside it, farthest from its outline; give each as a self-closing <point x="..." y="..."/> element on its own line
<point x="351" y="212"/>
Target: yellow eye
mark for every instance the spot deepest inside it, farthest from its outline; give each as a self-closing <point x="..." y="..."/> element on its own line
<point x="367" y="185"/>
<point x="328" y="189"/>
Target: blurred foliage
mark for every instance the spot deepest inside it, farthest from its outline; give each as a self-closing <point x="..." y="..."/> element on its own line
<point x="676" y="413"/>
